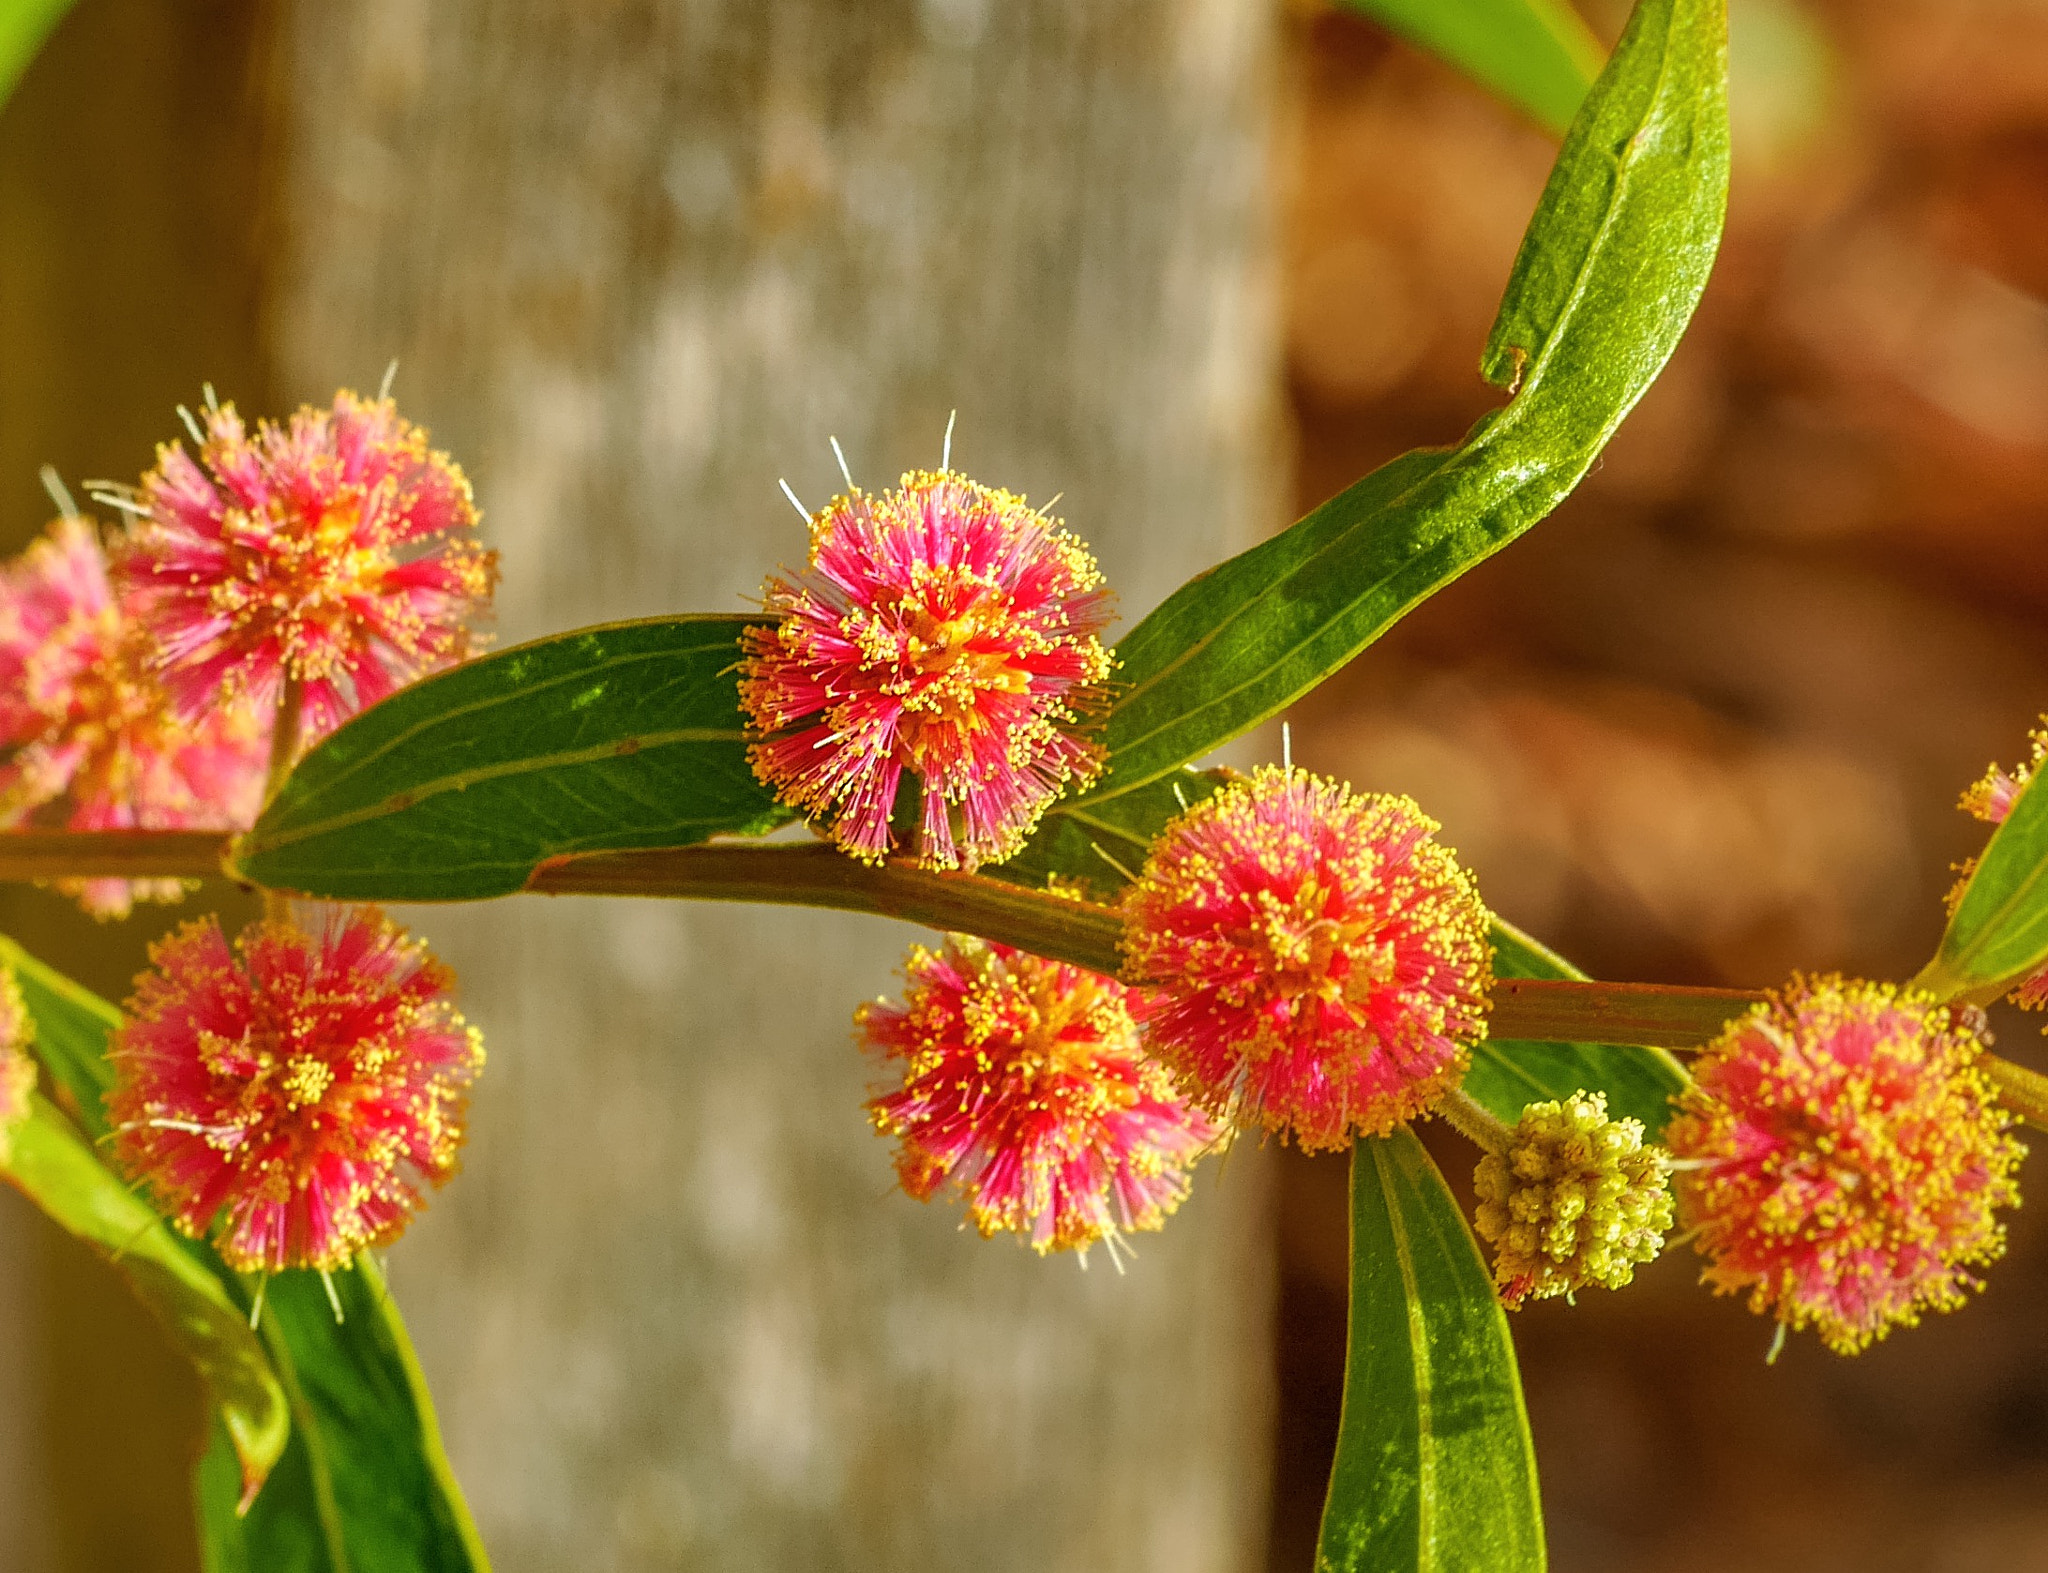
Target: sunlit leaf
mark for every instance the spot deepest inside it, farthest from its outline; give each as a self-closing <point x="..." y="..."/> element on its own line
<point x="1999" y="932"/>
<point x="1507" y="1074"/>
<point x="366" y="1483"/>
<point x="1537" y="54"/>
<point x="24" y="24"/>
<point x="362" y="1482"/>
<point x="1103" y="846"/>
<point x="1434" y="1472"/>
<point x="1607" y="278"/>
<point x="50" y="1164"/>
<point x="621" y="736"/>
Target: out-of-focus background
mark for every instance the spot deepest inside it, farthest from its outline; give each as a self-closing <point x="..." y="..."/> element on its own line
<point x="1706" y="724"/>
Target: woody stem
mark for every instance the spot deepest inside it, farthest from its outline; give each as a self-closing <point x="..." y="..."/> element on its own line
<point x="284" y="736"/>
<point x="1561" y="1010"/>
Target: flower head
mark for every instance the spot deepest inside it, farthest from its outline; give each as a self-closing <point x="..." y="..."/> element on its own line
<point x="337" y="551"/>
<point x="1326" y="961"/>
<point x="943" y="631"/>
<point x="1574" y="1199"/>
<point x="1842" y="1154"/>
<point x="83" y="718"/>
<point x="1990" y="799"/>
<point x="296" y="1088"/>
<point x="1024" y="1088"/>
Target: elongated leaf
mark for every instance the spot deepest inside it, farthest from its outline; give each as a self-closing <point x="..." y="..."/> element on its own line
<point x="366" y="1484"/>
<point x="621" y="736"/>
<point x="1539" y="55"/>
<point x="48" y="1162"/>
<point x="1507" y="1074"/>
<point x="362" y="1482"/>
<point x="1607" y="278"/>
<point x="24" y="24"/>
<point x="1999" y="932"/>
<point x="1435" y="1472"/>
<point x="72" y="1024"/>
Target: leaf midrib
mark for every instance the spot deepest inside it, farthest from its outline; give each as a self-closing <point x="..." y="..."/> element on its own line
<point x="1501" y="421"/>
<point x="462" y="780"/>
<point x="581" y="674"/>
<point x="1418" y="1351"/>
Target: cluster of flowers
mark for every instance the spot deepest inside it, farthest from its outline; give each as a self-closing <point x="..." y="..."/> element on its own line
<point x="1297" y="958"/>
<point x="1306" y="961"/>
<point x="290" y="1093"/>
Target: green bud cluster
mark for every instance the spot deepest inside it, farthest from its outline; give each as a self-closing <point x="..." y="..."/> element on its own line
<point x="1573" y="1198"/>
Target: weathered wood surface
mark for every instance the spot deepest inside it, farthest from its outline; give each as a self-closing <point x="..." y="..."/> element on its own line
<point x="637" y="261"/>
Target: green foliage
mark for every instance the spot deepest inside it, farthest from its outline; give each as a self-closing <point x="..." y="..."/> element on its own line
<point x="629" y="735"/>
<point x="363" y="1482"/>
<point x="24" y="24"/>
<point x="366" y="1484"/>
<point x="1506" y="1074"/>
<point x="1999" y="932"/>
<point x="621" y="736"/>
<point x="72" y="1024"/>
<point x="1104" y="845"/>
<point x="1435" y="1471"/>
<point x="1539" y="55"/>
<point x="1609" y="272"/>
<point x="57" y="1170"/>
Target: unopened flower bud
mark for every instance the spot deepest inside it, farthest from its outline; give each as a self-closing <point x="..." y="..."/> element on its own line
<point x="1574" y="1198"/>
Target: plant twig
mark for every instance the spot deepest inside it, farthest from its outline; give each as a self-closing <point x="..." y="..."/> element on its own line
<point x="817" y="875"/>
<point x="284" y="749"/>
<point x="284" y="736"/>
<point x="2023" y="1091"/>
<point x="1473" y="1120"/>
<point x="1643" y="1015"/>
<point x="111" y="854"/>
<point x="1649" y="1015"/>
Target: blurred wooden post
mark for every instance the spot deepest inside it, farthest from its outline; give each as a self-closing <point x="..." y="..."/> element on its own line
<point x="637" y="261"/>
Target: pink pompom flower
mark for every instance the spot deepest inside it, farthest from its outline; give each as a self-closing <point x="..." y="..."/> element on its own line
<point x="294" y="1091"/>
<point x="336" y="551"/>
<point x="944" y="631"/>
<point x="1841" y="1155"/>
<point x="1025" y="1089"/>
<point x="1326" y="961"/>
<point x="83" y="718"/>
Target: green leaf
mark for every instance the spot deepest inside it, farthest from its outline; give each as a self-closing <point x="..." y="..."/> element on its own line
<point x="1507" y="1074"/>
<point x="625" y="735"/>
<point x="1607" y="279"/>
<point x="50" y="1164"/>
<point x="366" y="1484"/>
<point x="1539" y="55"/>
<point x="1103" y="845"/>
<point x="24" y="24"/>
<point x="1999" y="933"/>
<point x="362" y="1483"/>
<point x="72" y="1024"/>
<point x="1435" y="1471"/>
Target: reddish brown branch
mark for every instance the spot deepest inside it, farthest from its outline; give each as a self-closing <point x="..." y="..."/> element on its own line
<point x="816" y="875"/>
<point x="1648" y="1015"/>
<point x="111" y="854"/>
<point x="1654" y="1015"/>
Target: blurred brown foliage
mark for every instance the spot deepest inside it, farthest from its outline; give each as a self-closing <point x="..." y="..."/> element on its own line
<point x="1708" y="723"/>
